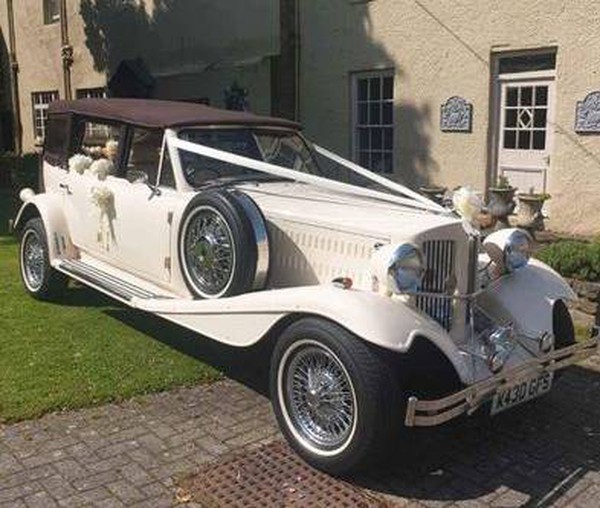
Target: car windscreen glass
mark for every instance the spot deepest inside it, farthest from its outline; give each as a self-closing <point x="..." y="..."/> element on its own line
<point x="286" y="150"/>
<point x="279" y="147"/>
<point x="200" y="170"/>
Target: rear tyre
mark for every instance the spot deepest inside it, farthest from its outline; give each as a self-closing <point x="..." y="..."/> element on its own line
<point x="39" y="278"/>
<point x="335" y="397"/>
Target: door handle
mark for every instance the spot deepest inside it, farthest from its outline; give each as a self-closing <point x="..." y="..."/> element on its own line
<point x="65" y="187"/>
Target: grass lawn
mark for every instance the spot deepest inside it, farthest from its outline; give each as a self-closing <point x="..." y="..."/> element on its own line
<point x="83" y="350"/>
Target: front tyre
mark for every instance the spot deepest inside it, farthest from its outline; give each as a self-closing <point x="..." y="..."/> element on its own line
<point x="335" y="397"/>
<point x="39" y="278"/>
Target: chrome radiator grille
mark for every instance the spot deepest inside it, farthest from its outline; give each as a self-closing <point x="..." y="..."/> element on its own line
<point x="439" y="278"/>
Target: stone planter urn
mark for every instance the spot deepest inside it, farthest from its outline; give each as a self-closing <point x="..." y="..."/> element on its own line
<point x="530" y="215"/>
<point x="501" y="204"/>
<point x="434" y="193"/>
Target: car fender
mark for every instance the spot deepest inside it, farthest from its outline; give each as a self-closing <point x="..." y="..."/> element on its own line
<point x="526" y="297"/>
<point x="245" y="319"/>
<point x="49" y="208"/>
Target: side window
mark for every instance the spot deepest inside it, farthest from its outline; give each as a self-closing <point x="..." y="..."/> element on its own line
<point x="97" y="141"/>
<point x="144" y="153"/>
<point x="56" y="145"/>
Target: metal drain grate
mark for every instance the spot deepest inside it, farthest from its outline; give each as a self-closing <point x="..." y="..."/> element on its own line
<point x="272" y="475"/>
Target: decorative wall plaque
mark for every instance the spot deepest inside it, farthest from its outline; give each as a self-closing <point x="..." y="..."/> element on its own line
<point x="587" y="115"/>
<point x="456" y="115"/>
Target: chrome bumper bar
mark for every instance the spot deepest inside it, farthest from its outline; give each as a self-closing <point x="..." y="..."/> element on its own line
<point x="427" y="413"/>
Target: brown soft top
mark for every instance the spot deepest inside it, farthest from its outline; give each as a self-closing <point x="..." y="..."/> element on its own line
<point x="162" y="114"/>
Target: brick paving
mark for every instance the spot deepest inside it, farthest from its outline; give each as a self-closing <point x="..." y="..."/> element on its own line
<point x="135" y="453"/>
<point x="128" y="454"/>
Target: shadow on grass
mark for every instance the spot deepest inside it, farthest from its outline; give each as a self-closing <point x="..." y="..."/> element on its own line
<point x="248" y="365"/>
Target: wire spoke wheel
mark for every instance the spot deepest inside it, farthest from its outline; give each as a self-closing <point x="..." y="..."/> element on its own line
<point x="318" y="396"/>
<point x="209" y="250"/>
<point x="33" y="259"/>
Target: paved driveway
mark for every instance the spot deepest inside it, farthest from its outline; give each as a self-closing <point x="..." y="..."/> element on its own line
<point x="543" y="454"/>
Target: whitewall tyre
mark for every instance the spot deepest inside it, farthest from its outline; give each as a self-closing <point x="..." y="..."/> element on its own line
<point x="39" y="278"/>
<point x="335" y="397"/>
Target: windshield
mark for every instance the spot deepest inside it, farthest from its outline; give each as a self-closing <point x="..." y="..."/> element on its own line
<point x="271" y="155"/>
<point x="282" y="148"/>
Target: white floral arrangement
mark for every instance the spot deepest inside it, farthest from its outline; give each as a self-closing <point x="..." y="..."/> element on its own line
<point x="78" y="163"/>
<point x="467" y="203"/>
<point x="102" y="168"/>
<point x="111" y="149"/>
<point x="103" y="198"/>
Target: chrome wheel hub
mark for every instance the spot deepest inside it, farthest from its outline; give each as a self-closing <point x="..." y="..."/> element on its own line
<point x="34" y="263"/>
<point x="209" y="251"/>
<point x="319" y="397"/>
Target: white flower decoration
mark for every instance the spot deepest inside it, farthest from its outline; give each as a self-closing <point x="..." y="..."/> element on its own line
<point x="111" y="149"/>
<point x="102" y="168"/>
<point x="79" y="163"/>
<point x="103" y="198"/>
<point x="467" y="203"/>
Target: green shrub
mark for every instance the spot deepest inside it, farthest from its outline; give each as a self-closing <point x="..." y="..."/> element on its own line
<point x="575" y="259"/>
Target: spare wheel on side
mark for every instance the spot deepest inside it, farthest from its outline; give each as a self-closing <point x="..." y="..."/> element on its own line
<point x="223" y="245"/>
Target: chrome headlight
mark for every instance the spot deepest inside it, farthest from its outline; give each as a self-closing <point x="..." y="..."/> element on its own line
<point x="509" y="249"/>
<point x="406" y="268"/>
<point x="517" y="250"/>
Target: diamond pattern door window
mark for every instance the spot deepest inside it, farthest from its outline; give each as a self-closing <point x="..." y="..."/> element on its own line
<point x="525" y="117"/>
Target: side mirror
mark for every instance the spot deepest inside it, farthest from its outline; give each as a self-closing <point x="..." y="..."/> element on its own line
<point x="135" y="176"/>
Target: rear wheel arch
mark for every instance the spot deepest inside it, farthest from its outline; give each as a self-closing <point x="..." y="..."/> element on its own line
<point x="27" y="212"/>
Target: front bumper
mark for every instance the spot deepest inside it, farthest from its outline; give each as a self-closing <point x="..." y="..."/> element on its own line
<point x="427" y="413"/>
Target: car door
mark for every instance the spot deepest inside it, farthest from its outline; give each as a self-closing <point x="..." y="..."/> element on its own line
<point x="139" y="237"/>
<point x="95" y="145"/>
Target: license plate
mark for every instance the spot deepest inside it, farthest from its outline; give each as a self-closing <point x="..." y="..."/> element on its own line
<point x="520" y="392"/>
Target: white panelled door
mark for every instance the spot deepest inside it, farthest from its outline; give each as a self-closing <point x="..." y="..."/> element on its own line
<point x="525" y="132"/>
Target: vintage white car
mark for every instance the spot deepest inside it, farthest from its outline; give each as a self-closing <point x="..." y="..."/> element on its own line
<point x="384" y="309"/>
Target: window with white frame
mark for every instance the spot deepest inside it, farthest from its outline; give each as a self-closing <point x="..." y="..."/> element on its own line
<point x="373" y="120"/>
<point x="91" y="93"/>
<point x="40" y="102"/>
<point x="51" y="11"/>
<point x="98" y="131"/>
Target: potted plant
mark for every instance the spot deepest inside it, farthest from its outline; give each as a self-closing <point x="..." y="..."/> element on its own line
<point x="501" y="202"/>
<point x="530" y="210"/>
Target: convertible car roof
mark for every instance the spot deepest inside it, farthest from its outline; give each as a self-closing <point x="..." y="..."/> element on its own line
<point x="162" y="114"/>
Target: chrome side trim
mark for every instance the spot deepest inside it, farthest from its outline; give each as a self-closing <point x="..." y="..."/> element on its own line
<point x="261" y="236"/>
<point x="427" y="413"/>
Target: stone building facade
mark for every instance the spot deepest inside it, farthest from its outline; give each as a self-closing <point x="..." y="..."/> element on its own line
<point x="427" y="92"/>
<point x="460" y="92"/>
<point x="182" y="50"/>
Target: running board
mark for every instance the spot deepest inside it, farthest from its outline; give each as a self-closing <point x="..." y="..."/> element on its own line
<point x="105" y="282"/>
